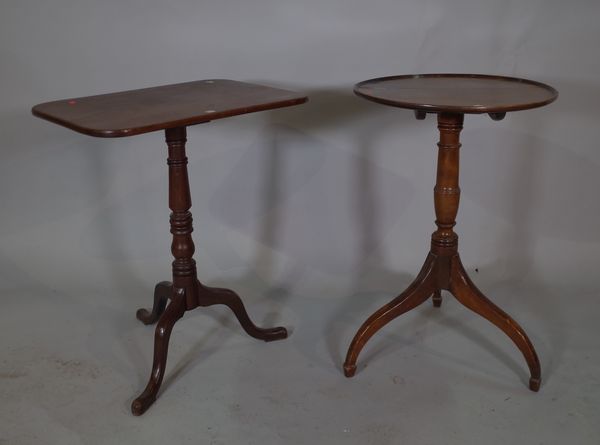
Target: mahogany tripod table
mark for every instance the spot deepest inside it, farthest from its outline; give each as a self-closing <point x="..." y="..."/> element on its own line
<point x="450" y="96"/>
<point x="172" y="108"/>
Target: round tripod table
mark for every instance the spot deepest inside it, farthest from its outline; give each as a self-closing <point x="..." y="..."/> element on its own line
<point x="450" y="96"/>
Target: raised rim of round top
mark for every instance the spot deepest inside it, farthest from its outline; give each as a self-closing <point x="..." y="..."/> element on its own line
<point x="457" y="93"/>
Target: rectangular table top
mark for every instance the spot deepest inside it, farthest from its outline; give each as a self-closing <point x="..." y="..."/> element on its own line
<point x="128" y="113"/>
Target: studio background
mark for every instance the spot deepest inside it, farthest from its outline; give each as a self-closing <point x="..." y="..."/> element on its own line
<point x="316" y="215"/>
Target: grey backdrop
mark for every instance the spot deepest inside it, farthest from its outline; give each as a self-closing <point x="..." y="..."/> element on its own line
<point x="303" y="210"/>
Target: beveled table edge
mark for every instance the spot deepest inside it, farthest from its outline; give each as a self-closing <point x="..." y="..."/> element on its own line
<point x="194" y="120"/>
<point x="457" y="109"/>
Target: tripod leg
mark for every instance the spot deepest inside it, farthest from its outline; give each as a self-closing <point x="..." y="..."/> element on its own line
<point x="210" y="296"/>
<point x="467" y="293"/>
<point x="162" y="291"/>
<point x="173" y="312"/>
<point x="418" y="292"/>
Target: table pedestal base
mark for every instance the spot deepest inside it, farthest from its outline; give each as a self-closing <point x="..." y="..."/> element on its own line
<point x="443" y="269"/>
<point x="167" y="316"/>
<point x="448" y="273"/>
<point x="185" y="292"/>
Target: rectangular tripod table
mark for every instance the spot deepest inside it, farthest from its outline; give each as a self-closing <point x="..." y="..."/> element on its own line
<point x="172" y="108"/>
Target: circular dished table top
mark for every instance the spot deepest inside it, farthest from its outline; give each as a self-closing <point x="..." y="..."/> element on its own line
<point x="457" y="93"/>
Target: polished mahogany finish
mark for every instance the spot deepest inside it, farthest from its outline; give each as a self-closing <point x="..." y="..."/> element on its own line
<point x="149" y="109"/>
<point x="140" y="111"/>
<point x="186" y="292"/>
<point x="443" y="269"/>
<point x="457" y="93"/>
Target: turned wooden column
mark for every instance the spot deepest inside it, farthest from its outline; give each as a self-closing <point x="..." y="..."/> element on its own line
<point x="180" y="202"/>
<point x="446" y="197"/>
<point x="446" y="193"/>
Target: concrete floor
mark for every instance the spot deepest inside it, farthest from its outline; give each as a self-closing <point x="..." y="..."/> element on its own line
<point x="73" y="359"/>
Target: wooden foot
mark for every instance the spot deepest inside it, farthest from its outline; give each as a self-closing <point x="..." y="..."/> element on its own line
<point x="418" y="292"/>
<point x="467" y="293"/>
<point x="173" y="312"/>
<point x="437" y="298"/>
<point x="209" y="296"/>
<point x="162" y="292"/>
<point x="534" y="384"/>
